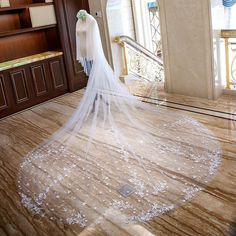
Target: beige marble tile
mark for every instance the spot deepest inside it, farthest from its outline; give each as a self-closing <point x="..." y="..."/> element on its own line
<point x="226" y="103"/>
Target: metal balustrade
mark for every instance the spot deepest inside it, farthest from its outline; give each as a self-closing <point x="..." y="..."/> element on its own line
<point x="229" y="37"/>
<point x="139" y="61"/>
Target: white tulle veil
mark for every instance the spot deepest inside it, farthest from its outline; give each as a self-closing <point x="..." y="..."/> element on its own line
<point x="116" y="158"/>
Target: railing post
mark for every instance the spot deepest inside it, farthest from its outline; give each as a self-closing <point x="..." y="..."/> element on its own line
<point x="227" y="63"/>
<point x="126" y="70"/>
<point x="122" y="44"/>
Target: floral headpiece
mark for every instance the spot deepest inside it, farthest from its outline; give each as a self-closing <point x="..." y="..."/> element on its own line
<point x="82" y="14"/>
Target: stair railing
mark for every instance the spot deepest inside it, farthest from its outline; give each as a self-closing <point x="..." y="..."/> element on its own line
<point x="139" y="61"/>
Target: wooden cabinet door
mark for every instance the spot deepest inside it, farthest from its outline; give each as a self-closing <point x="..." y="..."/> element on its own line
<point x="41" y="83"/>
<point x="66" y="11"/>
<point x="21" y="87"/>
<point x="5" y="95"/>
<point x="57" y="74"/>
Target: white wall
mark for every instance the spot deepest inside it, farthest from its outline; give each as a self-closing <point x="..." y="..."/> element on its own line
<point x="120" y="18"/>
<point x="126" y="17"/>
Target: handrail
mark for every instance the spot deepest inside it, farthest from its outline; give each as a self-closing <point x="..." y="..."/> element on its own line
<point x="126" y="39"/>
<point x="227" y="33"/>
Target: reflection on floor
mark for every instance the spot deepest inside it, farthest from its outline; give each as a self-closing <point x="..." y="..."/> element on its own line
<point x="211" y="212"/>
<point x="225" y="103"/>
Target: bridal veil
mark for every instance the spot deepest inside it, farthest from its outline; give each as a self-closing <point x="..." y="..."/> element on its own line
<point x="116" y="158"/>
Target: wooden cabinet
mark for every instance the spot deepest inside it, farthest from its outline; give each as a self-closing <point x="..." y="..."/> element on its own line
<point x="28" y="85"/>
<point x="38" y="63"/>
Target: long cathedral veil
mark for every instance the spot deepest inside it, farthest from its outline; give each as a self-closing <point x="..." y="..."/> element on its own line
<point x="116" y="158"/>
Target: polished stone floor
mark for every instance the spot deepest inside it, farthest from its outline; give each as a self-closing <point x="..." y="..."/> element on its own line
<point x="211" y="212"/>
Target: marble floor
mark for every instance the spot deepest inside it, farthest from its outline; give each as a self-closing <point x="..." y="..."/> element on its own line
<point x="211" y="212"/>
<point x="225" y="104"/>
